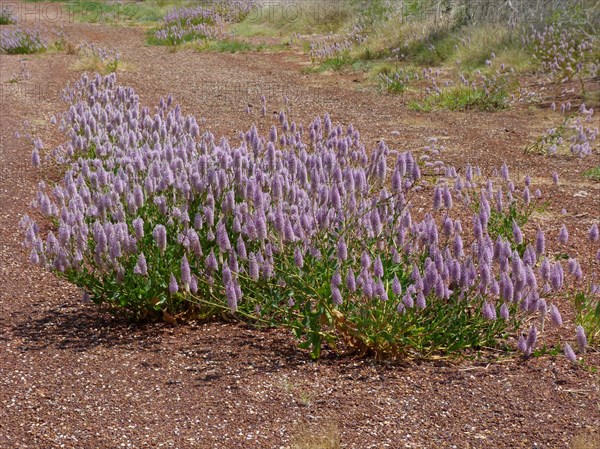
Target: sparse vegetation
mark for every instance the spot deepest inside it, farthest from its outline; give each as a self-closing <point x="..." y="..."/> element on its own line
<point x="325" y="436"/>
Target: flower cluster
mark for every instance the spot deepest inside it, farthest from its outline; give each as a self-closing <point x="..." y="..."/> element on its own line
<point x="234" y="10"/>
<point x="561" y="52"/>
<point x="397" y="81"/>
<point x="189" y="24"/>
<point x="6" y="15"/>
<point x="21" y="41"/>
<point x="302" y="227"/>
<point x="575" y="135"/>
<point x="479" y="90"/>
<point x="106" y="57"/>
<point x="335" y="45"/>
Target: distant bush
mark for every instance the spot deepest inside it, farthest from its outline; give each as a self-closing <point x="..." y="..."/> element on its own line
<point x="6" y="16"/>
<point x="21" y="41"/>
<point x="206" y="22"/>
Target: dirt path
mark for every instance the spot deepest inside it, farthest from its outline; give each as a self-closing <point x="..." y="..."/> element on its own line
<point x="72" y="377"/>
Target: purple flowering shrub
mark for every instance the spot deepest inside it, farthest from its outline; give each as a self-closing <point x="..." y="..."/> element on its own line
<point x="7" y="15"/>
<point x="190" y="24"/>
<point x="575" y="135"/>
<point x="562" y="53"/>
<point x="398" y="81"/>
<point x="106" y="59"/>
<point x="479" y="90"/>
<point x="587" y="306"/>
<point x="19" y="41"/>
<point x="336" y="46"/>
<point x="301" y="228"/>
<point x="205" y="22"/>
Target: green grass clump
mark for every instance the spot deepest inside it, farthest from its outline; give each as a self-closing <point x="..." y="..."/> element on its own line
<point x="593" y="173"/>
<point x="462" y="98"/>
<point x="396" y="82"/>
<point x="230" y="46"/>
<point x="588" y="315"/>
<point x="341" y="61"/>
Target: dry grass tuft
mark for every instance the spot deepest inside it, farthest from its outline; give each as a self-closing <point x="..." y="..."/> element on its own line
<point x="325" y="436"/>
<point x="586" y="441"/>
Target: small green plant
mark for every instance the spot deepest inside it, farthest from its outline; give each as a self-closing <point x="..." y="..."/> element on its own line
<point x="461" y="98"/>
<point x="336" y="63"/>
<point x="593" y="173"/>
<point x="420" y="106"/>
<point x="396" y="82"/>
<point x="501" y="223"/>
<point x="588" y="315"/>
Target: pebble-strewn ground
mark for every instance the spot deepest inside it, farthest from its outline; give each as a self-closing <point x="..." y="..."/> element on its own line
<point x="73" y="377"/>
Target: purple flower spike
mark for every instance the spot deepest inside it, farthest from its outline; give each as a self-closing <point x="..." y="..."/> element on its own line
<point x="522" y="344"/>
<point x="342" y="249"/>
<point x="241" y="248"/>
<point x="378" y="267"/>
<point x="336" y="296"/>
<point x="517" y="234"/>
<point x="194" y="285"/>
<point x="211" y="263"/>
<point x="489" y="312"/>
<point x="140" y="267"/>
<point x="138" y="226"/>
<point x="365" y="261"/>
<point x="298" y="257"/>
<point x="504" y="312"/>
<point x="223" y="238"/>
<point x="253" y="268"/>
<point x="531" y="339"/>
<point x="526" y="196"/>
<point x="540" y="242"/>
<point x="437" y="198"/>
<point x="35" y="158"/>
<point x="504" y="171"/>
<point x="350" y="281"/>
<point x="555" y="178"/>
<point x="186" y="275"/>
<point x="421" y="303"/>
<point x="173" y="287"/>
<point x="569" y="353"/>
<point x="563" y="235"/>
<point x="336" y="279"/>
<point x="407" y="300"/>
<point x="231" y="296"/>
<point x="396" y="286"/>
<point x="593" y="233"/>
<point x="555" y="316"/>
<point x="160" y="237"/>
<point x="581" y="339"/>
